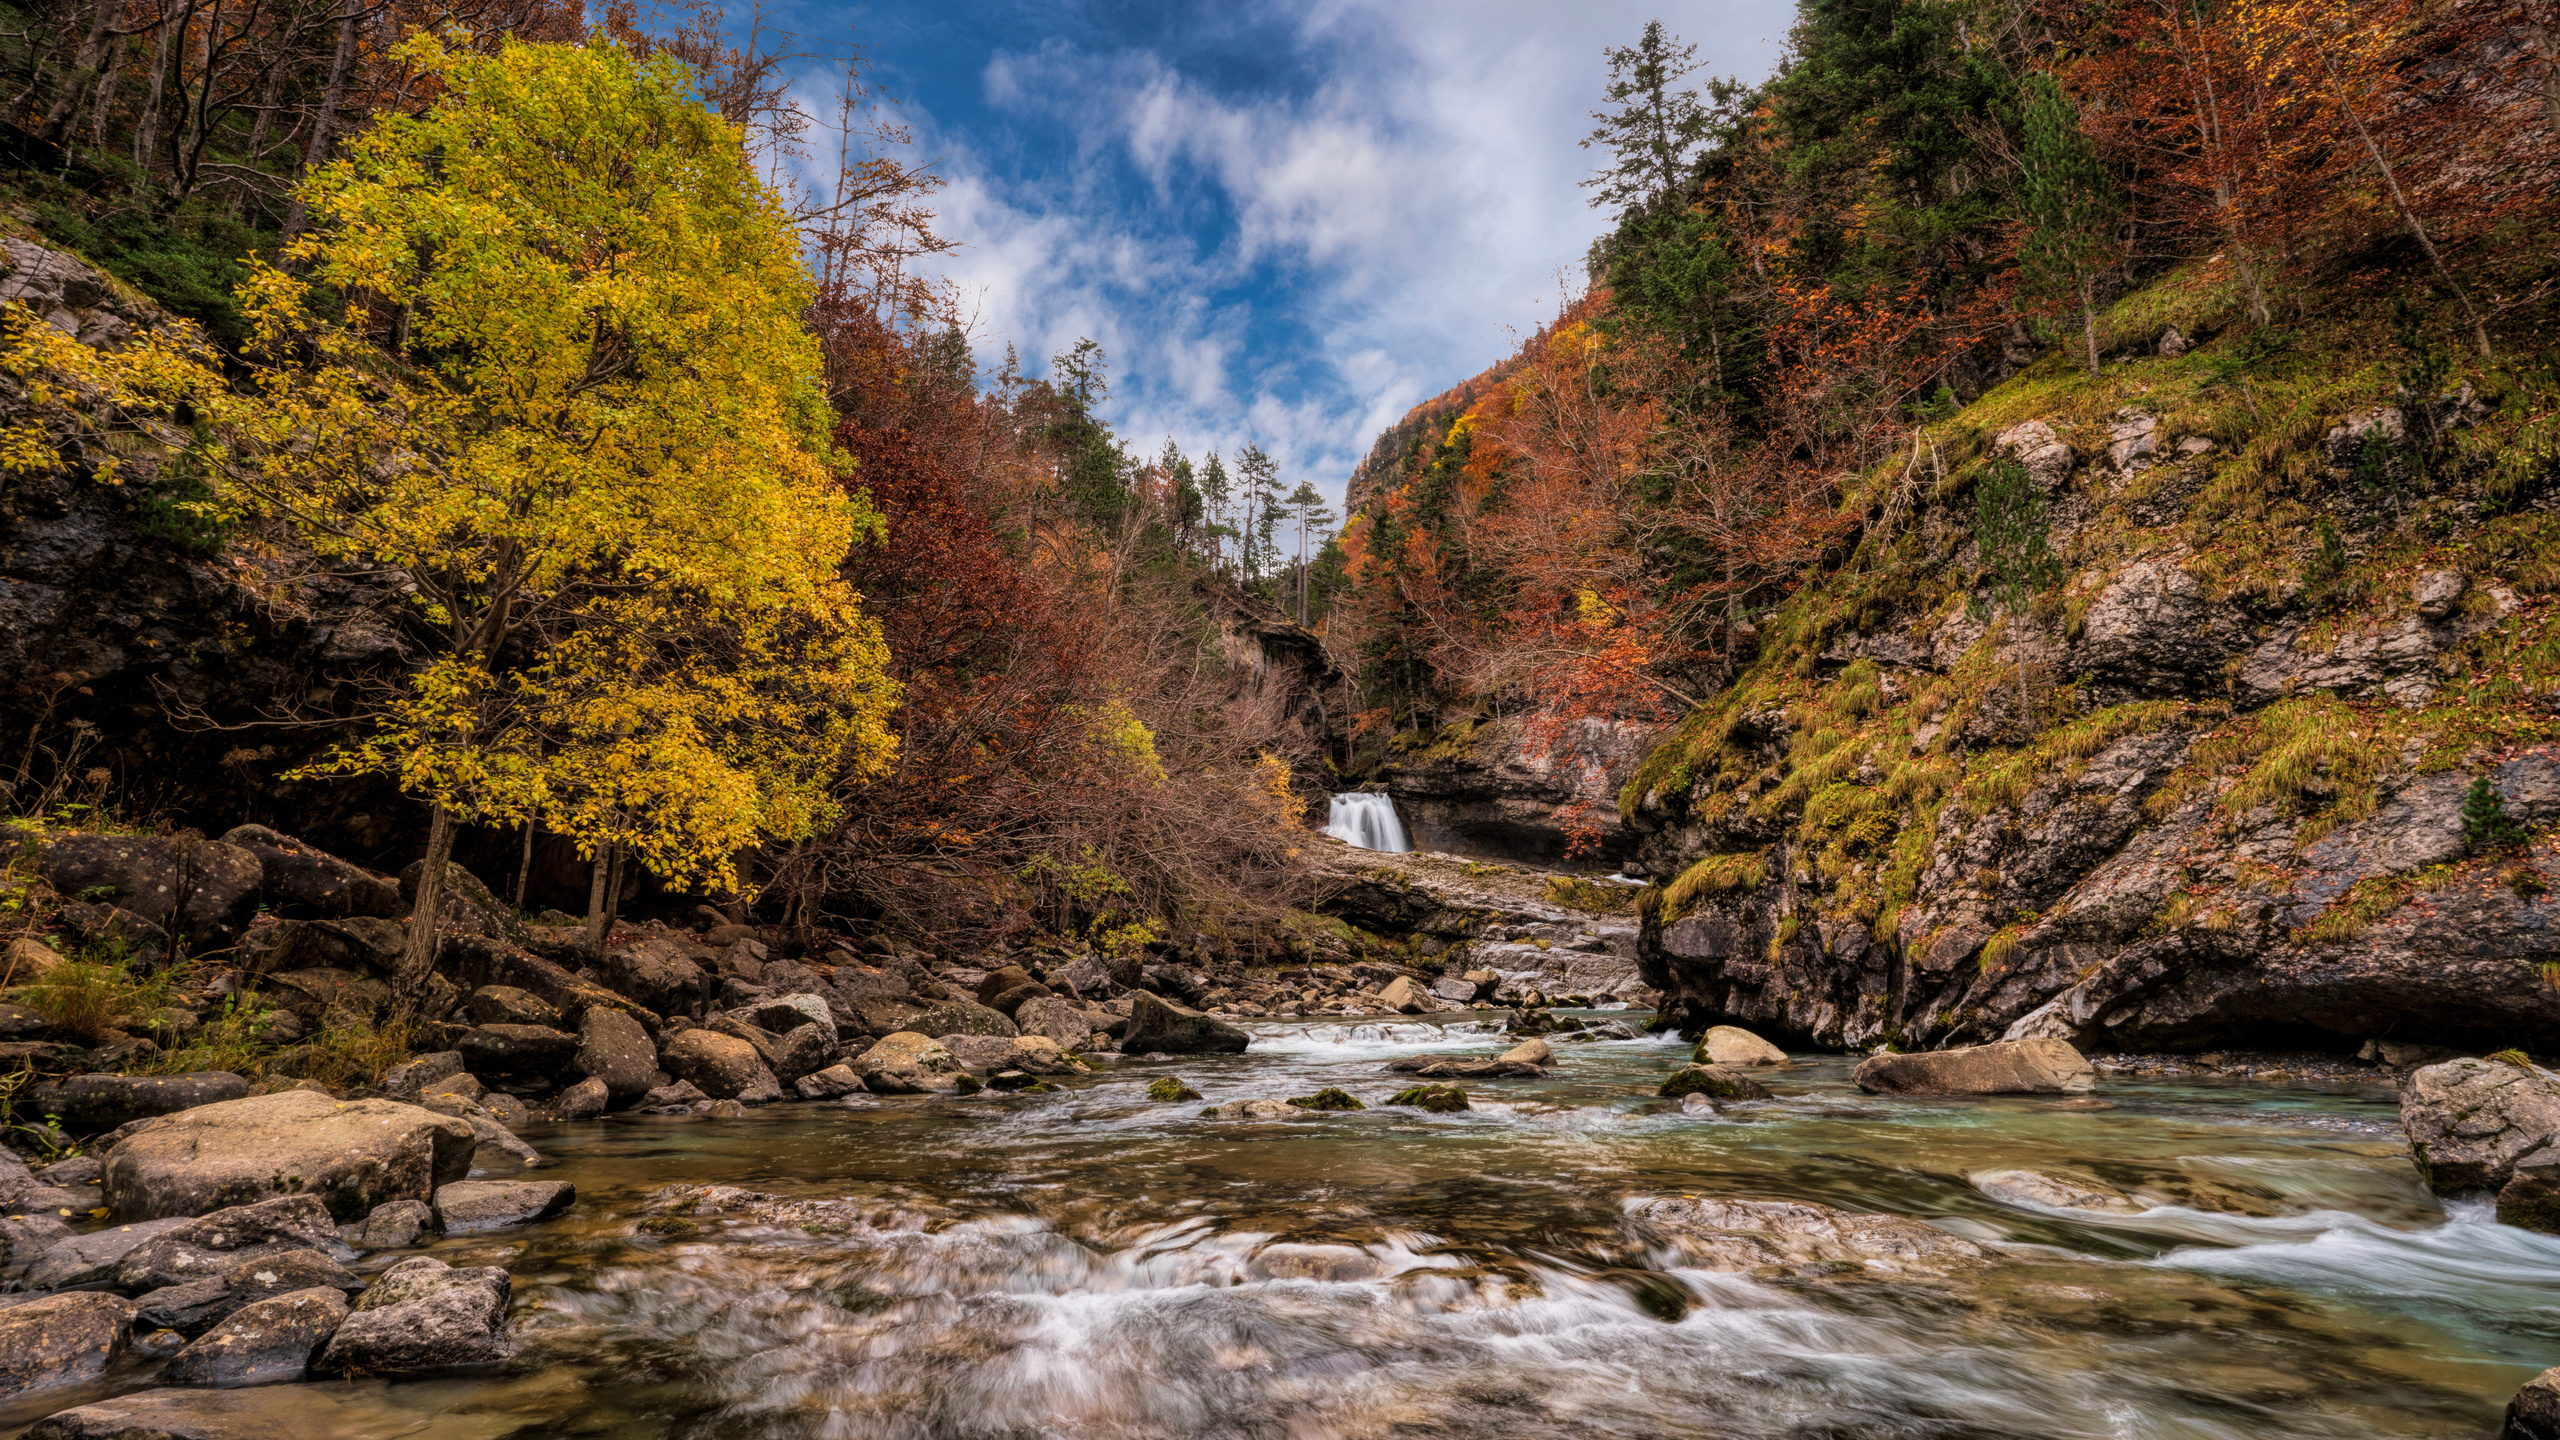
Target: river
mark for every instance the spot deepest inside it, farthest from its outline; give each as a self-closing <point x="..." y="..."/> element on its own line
<point x="1087" y="1264"/>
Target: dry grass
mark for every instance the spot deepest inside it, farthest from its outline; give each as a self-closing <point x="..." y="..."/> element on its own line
<point x="1712" y="876"/>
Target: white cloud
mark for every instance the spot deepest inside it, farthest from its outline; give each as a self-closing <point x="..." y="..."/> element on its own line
<point x="1396" y="227"/>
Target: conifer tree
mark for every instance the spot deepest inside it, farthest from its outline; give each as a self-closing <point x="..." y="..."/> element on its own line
<point x="1216" y="494"/>
<point x="1258" y="475"/>
<point x="2071" y="205"/>
<point x="1651" y="130"/>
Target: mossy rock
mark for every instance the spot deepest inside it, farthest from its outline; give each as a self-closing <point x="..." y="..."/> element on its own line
<point x="968" y="1084"/>
<point x="1167" y="1090"/>
<point x="1019" y="1083"/>
<point x="672" y="1227"/>
<point x="1328" y="1098"/>
<point x="1438" y="1099"/>
<point x="1714" y="1081"/>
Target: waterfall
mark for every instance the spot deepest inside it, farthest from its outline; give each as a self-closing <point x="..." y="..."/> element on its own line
<point x="1368" y="821"/>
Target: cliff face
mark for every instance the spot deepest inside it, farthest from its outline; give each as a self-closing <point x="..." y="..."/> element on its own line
<point x="1502" y="788"/>
<point x="2212" y="787"/>
<point x="154" y="653"/>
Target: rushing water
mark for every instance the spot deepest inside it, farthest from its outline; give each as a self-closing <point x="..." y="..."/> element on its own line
<point x="1368" y="821"/>
<point x="1086" y="1264"/>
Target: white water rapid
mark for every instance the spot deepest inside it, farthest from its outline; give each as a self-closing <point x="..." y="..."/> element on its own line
<point x="1368" y="821"/>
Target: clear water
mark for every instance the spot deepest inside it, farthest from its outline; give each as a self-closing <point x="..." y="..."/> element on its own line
<point x="1086" y="1264"/>
<point x="1368" y="821"/>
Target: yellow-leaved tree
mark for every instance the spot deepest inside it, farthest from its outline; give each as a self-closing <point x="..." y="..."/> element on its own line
<point x="569" y="396"/>
<point x="541" y="357"/>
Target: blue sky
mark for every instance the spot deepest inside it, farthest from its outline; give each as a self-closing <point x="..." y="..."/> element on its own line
<point x="1285" y="222"/>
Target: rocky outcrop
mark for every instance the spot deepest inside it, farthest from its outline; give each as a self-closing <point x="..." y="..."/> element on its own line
<point x="422" y="1316"/>
<point x="1505" y="788"/>
<point x="61" y="1340"/>
<point x="2534" y="1413"/>
<point x="1158" y="1024"/>
<point x="1491" y="920"/>
<point x="1795" y="1237"/>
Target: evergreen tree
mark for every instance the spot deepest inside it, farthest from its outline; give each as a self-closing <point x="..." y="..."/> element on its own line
<point x="2010" y="531"/>
<point x="1216" y="494"/>
<point x="1651" y="130"/>
<point x="1306" y="505"/>
<point x="2485" y="824"/>
<point x="1090" y="463"/>
<point x="1259" y="477"/>
<point x="2071" y="205"/>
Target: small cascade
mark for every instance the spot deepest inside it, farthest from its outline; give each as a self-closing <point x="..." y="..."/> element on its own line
<point x="1368" y="821"/>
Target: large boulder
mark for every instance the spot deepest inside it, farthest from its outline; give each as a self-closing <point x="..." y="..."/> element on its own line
<point x="61" y="1339"/>
<point x="1716" y="1082"/>
<point x="1406" y="998"/>
<point x="363" y="945"/>
<point x="2004" y="1067"/>
<point x="303" y="881"/>
<point x="95" y="1104"/>
<point x="2470" y="1121"/>
<point x="1160" y="1025"/>
<point x="804" y="1050"/>
<point x="1733" y="1045"/>
<point x="199" y="888"/>
<point x="266" y="1342"/>
<point x="424" y="1315"/>
<point x="516" y="1049"/>
<point x="613" y="1049"/>
<point x="466" y="907"/>
<point x="476" y="960"/>
<point x="213" y="1244"/>
<point x="353" y="1155"/>
<point x="2531" y="1199"/>
<point x="507" y="1005"/>
<point x="724" y="1067"/>
<point x="660" y="974"/>
<point x="2534" y="1414"/>
<point x="1061" y="1020"/>
<point x="905" y="1063"/>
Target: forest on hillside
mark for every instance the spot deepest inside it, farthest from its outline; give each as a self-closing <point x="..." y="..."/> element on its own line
<point x="1807" y="279"/>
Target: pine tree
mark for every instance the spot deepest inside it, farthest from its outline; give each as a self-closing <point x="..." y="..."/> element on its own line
<point x="1216" y="494"/>
<point x="2071" y="205"/>
<point x="1653" y="130"/>
<point x="1307" y="507"/>
<point x="2009" y="529"/>
<point x="2485" y="825"/>
<point x="1259" y="477"/>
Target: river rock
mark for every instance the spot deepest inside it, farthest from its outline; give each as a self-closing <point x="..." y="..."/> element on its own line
<point x="300" y="880"/>
<point x="1457" y="1067"/>
<point x="1532" y="1051"/>
<point x="2470" y="1121"/>
<point x="252" y="1414"/>
<point x="1406" y="998"/>
<point x="1795" y="1236"/>
<point x="786" y="1013"/>
<point x="94" y="1104"/>
<point x="616" y="1052"/>
<point x="362" y="944"/>
<point x="353" y="1154"/>
<point x="1000" y="980"/>
<point x="833" y="1083"/>
<point x="201" y="888"/>
<point x="1733" y="1045"/>
<point x="61" y="1339"/>
<point x="2054" y="1192"/>
<point x="507" y="1005"/>
<point x="28" y="959"/>
<point x="1160" y="1025"/>
<point x="1436" y="1099"/>
<point x="1290" y="1260"/>
<point x="2534" y="1413"/>
<point x="682" y="1095"/>
<point x="660" y="974"/>
<point x="423" y="1315"/>
<point x="465" y="907"/>
<point x="396" y="1226"/>
<point x="470" y="1205"/>
<point x="724" y="1067"/>
<point x="1061" y="1020"/>
<point x="1714" y="1081"/>
<point x="247" y="1279"/>
<point x="2004" y="1067"/>
<point x="410" y="1077"/>
<point x="803" y="1050"/>
<point x="211" y="1244"/>
<point x="88" y="1259"/>
<point x="906" y="1063"/>
<point x="1262" y="1109"/>
<point x="266" y="1342"/>
<point x="583" y="1101"/>
<point x="963" y="1017"/>
<point x="2530" y="1200"/>
<point x="507" y="1049"/>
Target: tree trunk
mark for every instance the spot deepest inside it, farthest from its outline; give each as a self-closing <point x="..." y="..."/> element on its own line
<point x="612" y="896"/>
<point x="418" y="955"/>
<point x="2408" y="216"/>
<point x="599" y="872"/>
<point x="170" y="29"/>
<point x="56" y="128"/>
<point x="2089" y="320"/>
<point x="296" y="215"/>
<point x="524" y="866"/>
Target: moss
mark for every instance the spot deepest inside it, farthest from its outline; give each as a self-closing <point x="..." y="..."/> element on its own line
<point x="1167" y="1090"/>
<point x="1714" y="875"/>
<point x="2368" y="901"/>
<point x="1329" y="1098"/>
<point x="1438" y="1099"/>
